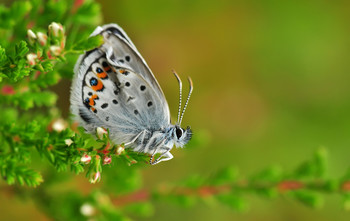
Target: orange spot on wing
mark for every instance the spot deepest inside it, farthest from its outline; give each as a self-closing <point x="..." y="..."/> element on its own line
<point x="102" y="75"/>
<point x="107" y="68"/>
<point x="98" y="87"/>
<point x="92" y="100"/>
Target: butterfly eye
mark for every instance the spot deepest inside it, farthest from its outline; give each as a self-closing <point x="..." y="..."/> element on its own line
<point x="178" y="133"/>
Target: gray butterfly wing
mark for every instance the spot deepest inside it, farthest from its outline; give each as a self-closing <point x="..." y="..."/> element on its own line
<point x="122" y="53"/>
<point x="103" y="95"/>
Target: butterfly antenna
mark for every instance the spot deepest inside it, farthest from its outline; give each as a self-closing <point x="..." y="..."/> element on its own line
<point x="180" y="85"/>
<point x="188" y="98"/>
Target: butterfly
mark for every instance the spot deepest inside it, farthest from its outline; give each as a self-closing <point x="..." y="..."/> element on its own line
<point x="114" y="88"/>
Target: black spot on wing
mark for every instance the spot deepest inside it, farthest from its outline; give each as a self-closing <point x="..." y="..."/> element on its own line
<point x="86" y="102"/>
<point x="103" y="106"/>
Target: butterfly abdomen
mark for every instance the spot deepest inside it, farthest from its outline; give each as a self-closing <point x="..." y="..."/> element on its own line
<point x="152" y="142"/>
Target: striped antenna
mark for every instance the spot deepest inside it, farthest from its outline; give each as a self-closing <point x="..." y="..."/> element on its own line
<point x="180" y="85"/>
<point x="188" y="98"/>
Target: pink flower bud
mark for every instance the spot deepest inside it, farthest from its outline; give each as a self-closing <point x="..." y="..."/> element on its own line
<point x="100" y="131"/>
<point x="55" y="50"/>
<point x="107" y="160"/>
<point x="31" y="58"/>
<point x="96" y="177"/>
<point x="85" y="159"/>
<point x="55" y="29"/>
<point x="42" y="38"/>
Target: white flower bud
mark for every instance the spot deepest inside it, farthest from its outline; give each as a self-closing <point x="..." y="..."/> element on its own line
<point x="85" y="159"/>
<point x="59" y="125"/>
<point x="55" y="28"/>
<point x="55" y="50"/>
<point x="31" y="35"/>
<point x="31" y="58"/>
<point x="96" y="177"/>
<point x="100" y="131"/>
<point x="68" y="142"/>
<point x="87" y="209"/>
<point x="42" y="38"/>
<point x="120" y="150"/>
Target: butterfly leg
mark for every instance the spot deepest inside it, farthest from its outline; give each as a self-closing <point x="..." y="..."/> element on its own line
<point x="137" y="136"/>
<point x="163" y="157"/>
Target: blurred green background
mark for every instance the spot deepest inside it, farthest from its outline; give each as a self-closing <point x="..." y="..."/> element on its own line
<point x="271" y="85"/>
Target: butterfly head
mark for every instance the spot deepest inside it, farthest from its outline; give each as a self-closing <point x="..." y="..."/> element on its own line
<point x="181" y="136"/>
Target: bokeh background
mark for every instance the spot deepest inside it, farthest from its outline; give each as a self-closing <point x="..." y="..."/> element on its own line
<point x="271" y="85"/>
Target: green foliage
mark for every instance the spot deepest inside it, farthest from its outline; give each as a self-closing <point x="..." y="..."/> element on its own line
<point x="88" y="44"/>
<point x="234" y="202"/>
<point x="13" y="64"/>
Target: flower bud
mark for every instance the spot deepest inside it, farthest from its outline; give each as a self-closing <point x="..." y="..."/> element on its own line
<point x="59" y="125"/>
<point x="87" y="209"/>
<point x="85" y="159"/>
<point x="55" y="50"/>
<point x="42" y="38"/>
<point x="68" y="142"/>
<point x="96" y="177"/>
<point x="31" y="58"/>
<point x="100" y="131"/>
<point x="55" y="29"/>
<point x="107" y="160"/>
<point x="120" y="150"/>
<point x="31" y="36"/>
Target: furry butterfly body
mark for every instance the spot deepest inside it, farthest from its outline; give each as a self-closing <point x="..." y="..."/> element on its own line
<point x="114" y="88"/>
